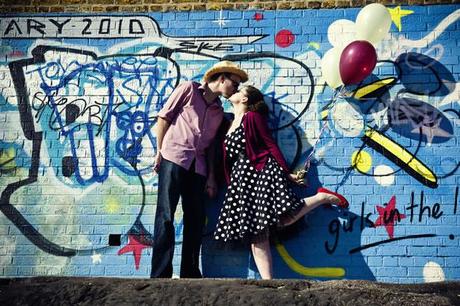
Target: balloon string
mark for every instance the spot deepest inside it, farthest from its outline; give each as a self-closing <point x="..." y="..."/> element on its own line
<point x="337" y="93"/>
<point x="306" y="165"/>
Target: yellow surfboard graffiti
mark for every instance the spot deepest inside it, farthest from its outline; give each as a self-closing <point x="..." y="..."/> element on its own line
<point x="370" y="88"/>
<point x="397" y="154"/>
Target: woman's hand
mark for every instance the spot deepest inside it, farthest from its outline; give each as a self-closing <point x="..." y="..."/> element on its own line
<point x="211" y="187"/>
<point x="298" y="177"/>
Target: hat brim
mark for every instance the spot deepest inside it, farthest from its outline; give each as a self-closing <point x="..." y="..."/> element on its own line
<point x="241" y="73"/>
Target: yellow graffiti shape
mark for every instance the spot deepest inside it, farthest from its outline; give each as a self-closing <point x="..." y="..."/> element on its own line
<point x="369" y="88"/>
<point x="324" y="114"/>
<point x="400" y="156"/>
<point x="361" y="160"/>
<point x="329" y="272"/>
<point x="314" y="45"/>
<point x="7" y="159"/>
<point x="397" y="14"/>
<point x="112" y="205"/>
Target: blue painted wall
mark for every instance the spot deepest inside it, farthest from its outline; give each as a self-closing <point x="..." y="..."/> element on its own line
<point x="79" y="96"/>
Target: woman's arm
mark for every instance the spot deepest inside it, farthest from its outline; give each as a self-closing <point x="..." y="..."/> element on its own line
<point x="260" y="122"/>
<point x="211" y="186"/>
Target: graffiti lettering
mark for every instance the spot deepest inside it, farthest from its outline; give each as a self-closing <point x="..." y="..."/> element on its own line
<point x="388" y="216"/>
<point x="59" y="25"/>
<point x="78" y="106"/>
<point x="334" y="229"/>
<point x="13" y="24"/>
<point x="88" y="24"/>
<point x="79" y="27"/>
<point x="434" y="212"/>
<point x="456" y="200"/>
<point x="187" y="45"/>
<point x="35" y="25"/>
<point x="347" y="226"/>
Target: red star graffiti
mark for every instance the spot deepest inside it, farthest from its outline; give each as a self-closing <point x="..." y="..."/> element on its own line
<point x="388" y="215"/>
<point x="134" y="246"/>
<point x="258" y="16"/>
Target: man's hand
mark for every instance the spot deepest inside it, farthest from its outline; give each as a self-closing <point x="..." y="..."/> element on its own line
<point x="156" y="166"/>
<point x="161" y="129"/>
<point x="211" y="187"/>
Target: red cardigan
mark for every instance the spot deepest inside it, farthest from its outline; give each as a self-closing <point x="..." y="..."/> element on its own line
<point x="259" y="144"/>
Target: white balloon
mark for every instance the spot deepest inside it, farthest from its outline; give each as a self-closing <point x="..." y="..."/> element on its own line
<point x="330" y="67"/>
<point x="373" y="23"/>
<point x="341" y="32"/>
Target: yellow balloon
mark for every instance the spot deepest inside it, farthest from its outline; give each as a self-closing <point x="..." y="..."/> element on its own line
<point x="373" y="23"/>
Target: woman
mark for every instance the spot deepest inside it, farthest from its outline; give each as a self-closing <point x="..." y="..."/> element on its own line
<point x="258" y="198"/>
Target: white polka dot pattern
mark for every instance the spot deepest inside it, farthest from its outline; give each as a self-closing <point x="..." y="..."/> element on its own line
<point x="255" y="200"/>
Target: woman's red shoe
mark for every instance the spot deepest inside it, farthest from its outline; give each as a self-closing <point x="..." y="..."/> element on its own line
<point x="343" y="202"/>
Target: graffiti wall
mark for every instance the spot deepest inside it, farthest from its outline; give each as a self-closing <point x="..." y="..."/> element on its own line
<point x="79" y="96"/>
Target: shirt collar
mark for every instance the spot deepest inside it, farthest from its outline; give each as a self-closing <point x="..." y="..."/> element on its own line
<point x="216" y="100"/>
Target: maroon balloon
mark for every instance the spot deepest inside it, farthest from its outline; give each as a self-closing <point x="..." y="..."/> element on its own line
<point x="357" y="61"/>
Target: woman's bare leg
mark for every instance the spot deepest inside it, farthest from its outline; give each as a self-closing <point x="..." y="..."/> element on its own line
<point x="263" y="258"/>
<point x="311" y="203"/>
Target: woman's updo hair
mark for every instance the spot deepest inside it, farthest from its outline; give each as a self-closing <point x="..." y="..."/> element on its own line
<point x="256" y="101"/>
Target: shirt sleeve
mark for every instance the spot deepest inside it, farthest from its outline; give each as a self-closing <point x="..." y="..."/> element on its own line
<point x="266" y="136"/>
<point x="176" y="101"/>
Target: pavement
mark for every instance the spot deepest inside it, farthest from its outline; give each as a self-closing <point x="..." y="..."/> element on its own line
<point x="125" y="291"/>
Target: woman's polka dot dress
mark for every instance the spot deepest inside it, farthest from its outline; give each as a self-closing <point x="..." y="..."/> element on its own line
<point x="256" y="201"/>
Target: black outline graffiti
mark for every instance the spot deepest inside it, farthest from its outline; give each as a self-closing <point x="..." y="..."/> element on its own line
<point x="392" y="157"/>
<point x="376" y="98"/>
<point x="27" y="124"/>
<point x="370" y="245"/>
<point x="249" y="56"/>
<point x="453" y="171"/>
<point x="137" y="228"/>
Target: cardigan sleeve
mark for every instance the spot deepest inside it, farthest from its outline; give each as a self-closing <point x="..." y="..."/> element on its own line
<point x="260" y="123"/>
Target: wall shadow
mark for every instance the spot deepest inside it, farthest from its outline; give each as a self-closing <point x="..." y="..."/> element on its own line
<point x="323" y="238"/>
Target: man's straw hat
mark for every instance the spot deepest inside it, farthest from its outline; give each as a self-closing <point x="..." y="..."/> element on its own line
<point x="226" y="66"/>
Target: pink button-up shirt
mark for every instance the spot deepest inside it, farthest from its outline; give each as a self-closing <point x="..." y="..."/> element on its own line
<point x="193" y="126"/>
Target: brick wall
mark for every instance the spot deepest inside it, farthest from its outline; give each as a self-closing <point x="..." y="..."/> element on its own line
<point x="50" y="6"/>
<point x="78" y="98"/>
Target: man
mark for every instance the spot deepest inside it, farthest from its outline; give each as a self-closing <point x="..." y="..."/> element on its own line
<point x="186" y="128"/>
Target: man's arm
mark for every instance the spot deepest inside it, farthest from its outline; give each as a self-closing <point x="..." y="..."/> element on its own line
<point x="167" y="114"/>
<point x="161" y="129"/>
